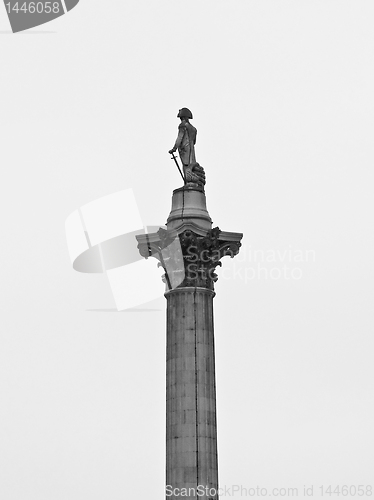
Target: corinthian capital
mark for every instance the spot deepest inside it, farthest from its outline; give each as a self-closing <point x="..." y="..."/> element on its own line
<point x="190" y="257"/>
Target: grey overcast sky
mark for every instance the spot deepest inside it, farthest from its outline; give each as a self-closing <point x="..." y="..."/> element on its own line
<point x="282" y="97"/>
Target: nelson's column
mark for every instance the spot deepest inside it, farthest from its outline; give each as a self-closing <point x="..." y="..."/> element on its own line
<point x="189" y="251"/>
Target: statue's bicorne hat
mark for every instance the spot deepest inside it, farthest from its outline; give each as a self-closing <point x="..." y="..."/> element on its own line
<point x="185" y="113"/>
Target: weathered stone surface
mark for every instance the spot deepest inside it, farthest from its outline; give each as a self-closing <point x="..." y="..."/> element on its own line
<point x="189" y="250"/>
<point x="191" y="431"/>
<point x="189" y="205"/>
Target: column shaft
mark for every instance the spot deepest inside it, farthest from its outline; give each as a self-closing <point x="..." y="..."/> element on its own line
<point x="191" y="427"/>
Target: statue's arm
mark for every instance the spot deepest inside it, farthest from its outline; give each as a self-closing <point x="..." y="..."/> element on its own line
<point x="178" y="142"/>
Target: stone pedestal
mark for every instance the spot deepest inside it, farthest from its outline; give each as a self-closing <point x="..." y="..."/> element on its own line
<point x="189" y="205"/>
<point x="189" y="251"/>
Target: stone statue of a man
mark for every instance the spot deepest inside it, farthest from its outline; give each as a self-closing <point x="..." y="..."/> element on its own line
<point x="186" y="139"/>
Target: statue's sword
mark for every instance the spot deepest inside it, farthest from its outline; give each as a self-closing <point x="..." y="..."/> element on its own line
<point x="177" y="164"/>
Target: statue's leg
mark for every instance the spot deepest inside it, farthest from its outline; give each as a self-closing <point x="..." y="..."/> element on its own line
<point x="184" y="156"/>
<point x="192" y="155"/>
